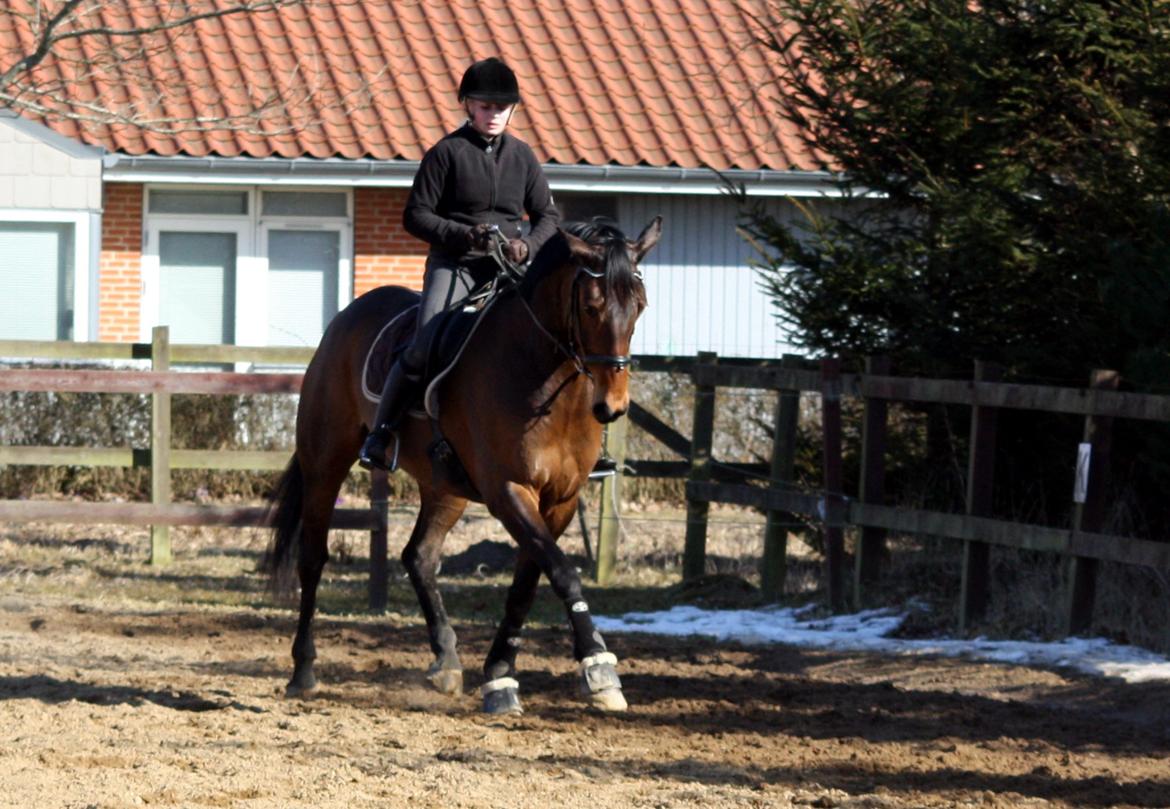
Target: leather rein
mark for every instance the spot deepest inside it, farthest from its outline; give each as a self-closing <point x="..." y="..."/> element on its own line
<point x="581" y="362"/>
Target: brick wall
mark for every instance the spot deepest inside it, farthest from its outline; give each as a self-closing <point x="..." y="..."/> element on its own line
<point x="384" y="253"/>
<point x="120" y="267"/>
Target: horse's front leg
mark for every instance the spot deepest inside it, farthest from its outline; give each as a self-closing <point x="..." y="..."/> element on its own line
<point x="518" y="509"/>
<point x="421" y="557"/>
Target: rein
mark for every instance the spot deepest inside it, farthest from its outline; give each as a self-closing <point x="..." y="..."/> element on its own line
<point x="512" y="273"/>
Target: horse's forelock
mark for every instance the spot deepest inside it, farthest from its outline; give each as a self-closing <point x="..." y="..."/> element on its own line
<point x="621" y="277"/>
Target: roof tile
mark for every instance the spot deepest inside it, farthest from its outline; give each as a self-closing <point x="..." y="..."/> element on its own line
<point x="627" y="82"/>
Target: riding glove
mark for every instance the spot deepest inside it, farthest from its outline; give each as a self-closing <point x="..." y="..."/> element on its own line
<point x="479" y="236"/>
<point x="516" y="251"/>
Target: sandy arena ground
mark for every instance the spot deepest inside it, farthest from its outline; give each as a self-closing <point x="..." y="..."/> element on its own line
<point x="126" y="686"/>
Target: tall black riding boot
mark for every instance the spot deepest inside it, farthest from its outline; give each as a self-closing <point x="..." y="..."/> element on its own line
<point x="397" y="395"/>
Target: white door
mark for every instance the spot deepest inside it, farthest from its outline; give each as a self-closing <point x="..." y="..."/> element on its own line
<point x="199" y="278"/>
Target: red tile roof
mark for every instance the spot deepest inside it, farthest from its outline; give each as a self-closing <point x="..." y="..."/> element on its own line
<point x="625" y="82"/>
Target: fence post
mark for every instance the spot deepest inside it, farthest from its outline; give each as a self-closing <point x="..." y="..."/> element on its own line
<point x="611" y="495"/>
<point x="379" y="539"/>
<point x="976" y="576"/>
<point x="774" y="568"/>
<point x="160" y="446"/>
<point x="871" y="545"/>
<point x="702" y="436"/>
<point x="1089" y="515"/>
<point x="834" y="501"/>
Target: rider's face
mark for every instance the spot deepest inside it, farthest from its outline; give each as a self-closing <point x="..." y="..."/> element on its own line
<point x="488" y="118"/>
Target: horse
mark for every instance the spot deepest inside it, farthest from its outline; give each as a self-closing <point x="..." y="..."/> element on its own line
<point x="522" y="410"/>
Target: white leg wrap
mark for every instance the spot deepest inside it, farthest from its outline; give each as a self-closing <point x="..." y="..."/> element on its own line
<point x="599" y="659"/>
<point x="498" y="685"/>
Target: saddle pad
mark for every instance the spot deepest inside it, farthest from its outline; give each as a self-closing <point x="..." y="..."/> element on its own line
<point x="453" y="334"/>
<point x="384" y="351"/>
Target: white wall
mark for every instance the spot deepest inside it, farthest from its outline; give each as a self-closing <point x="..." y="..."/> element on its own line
<point x="41" y="170"/>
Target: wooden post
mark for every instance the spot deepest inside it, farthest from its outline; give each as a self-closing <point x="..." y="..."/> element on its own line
<point x="774" y="568"/>
<point x="975" y="585"/>
<point x="834" y="502"/>
<point x="160" y="446"/>
<point x="379" y="540"/>
<point x="702" y="437"/>
<point x="871" y="545"/>
<point x="611" y="495"/>
<point x="1089" y="515"/>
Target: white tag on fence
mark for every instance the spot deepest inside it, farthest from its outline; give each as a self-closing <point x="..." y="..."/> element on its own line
<point x="1081" y="486"/>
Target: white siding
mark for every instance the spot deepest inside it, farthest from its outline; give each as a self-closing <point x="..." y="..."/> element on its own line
<point x="704" y="295"/>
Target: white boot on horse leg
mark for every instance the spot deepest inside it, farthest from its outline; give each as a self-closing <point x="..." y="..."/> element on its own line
<point x="600" y="683"/>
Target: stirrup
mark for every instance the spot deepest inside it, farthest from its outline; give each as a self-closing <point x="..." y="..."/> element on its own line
<point x="605" y="467"/>
<point x="369" y="461"/>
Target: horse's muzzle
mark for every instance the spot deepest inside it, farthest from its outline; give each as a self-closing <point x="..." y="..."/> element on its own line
<point x="605" y="414"/>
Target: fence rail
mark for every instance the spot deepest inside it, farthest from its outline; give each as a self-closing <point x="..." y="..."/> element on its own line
<point x="708" y="480"/>
<point x="1082" y="543"/>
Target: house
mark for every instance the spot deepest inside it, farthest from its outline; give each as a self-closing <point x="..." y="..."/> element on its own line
<point x="257" y="229"/>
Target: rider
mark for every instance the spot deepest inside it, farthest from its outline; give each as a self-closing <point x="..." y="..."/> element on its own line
<point x="475" y="179"/>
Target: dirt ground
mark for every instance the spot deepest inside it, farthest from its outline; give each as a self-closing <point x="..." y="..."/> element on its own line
<point x="122" y="685"/>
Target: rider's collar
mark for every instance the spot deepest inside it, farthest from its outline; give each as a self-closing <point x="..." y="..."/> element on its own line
<point x="479" y="140"/>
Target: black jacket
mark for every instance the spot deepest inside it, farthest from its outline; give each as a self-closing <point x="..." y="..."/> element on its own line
<point x="463" y="181"/>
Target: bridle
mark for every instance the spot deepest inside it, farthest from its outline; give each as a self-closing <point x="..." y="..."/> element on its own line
<point x="512" y="273"/>
<point x="617" y="362"/>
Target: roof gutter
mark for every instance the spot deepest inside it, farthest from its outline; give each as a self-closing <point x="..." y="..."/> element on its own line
<point x="400" y="174"/>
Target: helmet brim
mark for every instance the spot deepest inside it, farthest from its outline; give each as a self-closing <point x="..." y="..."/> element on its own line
<point x="495" y="98"/>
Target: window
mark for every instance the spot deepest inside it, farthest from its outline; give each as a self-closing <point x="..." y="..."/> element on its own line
<point x="581" y="207"/>
<point x="227" y="203"/>
<point x="250" y="266"/>
<point x="37" y="276"/>
<point x="197" y="286"/>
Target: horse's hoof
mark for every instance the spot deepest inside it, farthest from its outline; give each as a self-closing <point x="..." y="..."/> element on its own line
<point x="447" y="681"/>
<point x="501" y="697"/>
<point x="301" y="686"/>
<point x="611" y="700"/>
<point x="600" y="683"/>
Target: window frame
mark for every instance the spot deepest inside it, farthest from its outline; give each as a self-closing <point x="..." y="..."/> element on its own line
<point x="252" y="229"/>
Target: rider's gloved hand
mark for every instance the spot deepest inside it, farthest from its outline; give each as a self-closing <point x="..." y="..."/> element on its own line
<point x="480" y="236"/>
<point x="516" y="251"/>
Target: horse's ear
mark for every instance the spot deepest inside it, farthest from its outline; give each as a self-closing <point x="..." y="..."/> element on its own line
<point x="584" y="253"/>
<point x="648" y="238"/>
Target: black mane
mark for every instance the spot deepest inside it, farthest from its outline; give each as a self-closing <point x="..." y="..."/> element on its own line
<point x="621" y="278"/>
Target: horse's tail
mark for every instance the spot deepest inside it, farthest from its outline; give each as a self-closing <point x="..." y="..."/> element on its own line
<point x="285" y="518"/>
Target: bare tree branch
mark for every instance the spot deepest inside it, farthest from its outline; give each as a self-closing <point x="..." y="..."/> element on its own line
<point x="99" y="64"/>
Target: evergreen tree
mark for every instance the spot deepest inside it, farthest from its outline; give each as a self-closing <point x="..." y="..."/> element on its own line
<point x="1014" y="156"/>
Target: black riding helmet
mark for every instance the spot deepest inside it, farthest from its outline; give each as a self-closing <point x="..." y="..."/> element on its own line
<point x="490" y="80"/>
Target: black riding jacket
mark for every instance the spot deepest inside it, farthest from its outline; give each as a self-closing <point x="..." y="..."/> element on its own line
<point x="463" y="181"/>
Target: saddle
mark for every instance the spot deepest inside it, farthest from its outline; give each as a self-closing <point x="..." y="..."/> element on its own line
<point x="445" y="337"/>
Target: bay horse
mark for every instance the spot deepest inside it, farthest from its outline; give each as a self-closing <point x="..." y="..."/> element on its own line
<point x="522" y="410"/>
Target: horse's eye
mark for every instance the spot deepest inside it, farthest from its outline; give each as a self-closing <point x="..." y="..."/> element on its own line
<point x="592" y="310"/>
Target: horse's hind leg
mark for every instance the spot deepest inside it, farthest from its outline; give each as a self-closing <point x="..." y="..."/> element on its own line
<point x="421" y="556"/>
<point x="322" y="482"/>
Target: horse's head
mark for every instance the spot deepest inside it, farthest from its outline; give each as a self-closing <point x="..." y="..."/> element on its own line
<point x="606" y="297"/>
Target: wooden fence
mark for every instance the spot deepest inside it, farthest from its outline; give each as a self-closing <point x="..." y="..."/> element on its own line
<point x="1081" y="543"/>
<point x="707" y="479"/>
